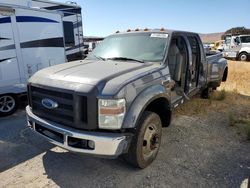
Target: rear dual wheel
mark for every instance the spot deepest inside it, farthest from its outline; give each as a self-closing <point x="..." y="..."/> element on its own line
<point x="146" y="142"/>
<point x="8" y="105"/>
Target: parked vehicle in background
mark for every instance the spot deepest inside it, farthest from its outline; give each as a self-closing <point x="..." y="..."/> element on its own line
<point x="219" y="45"/>
<point x="91" y="42"/>
<point x="31" y="39"/>
<point x="237" y="47"/>
<point x="116" y="101"/>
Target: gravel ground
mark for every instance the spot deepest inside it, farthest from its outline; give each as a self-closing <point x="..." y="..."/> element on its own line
<point x="195" y="152"/>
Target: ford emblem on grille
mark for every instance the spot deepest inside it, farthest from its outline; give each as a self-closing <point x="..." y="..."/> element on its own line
<point x="49" y="104"/>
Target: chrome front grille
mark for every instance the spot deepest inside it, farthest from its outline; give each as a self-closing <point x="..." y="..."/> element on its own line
<point x="65" y="113"/>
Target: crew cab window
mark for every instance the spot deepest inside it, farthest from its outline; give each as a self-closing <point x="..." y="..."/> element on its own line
<point x="69" y="37"/>
<point x="245" y="39"/>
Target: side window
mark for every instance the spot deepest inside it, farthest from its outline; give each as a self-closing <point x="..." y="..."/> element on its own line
<point x="69" y="37"/>
<point x="245" y="39"/>
<point x="237" y="40"/>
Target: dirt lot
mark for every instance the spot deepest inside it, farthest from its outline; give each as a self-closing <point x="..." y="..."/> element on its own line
<point x="206" y="146"/>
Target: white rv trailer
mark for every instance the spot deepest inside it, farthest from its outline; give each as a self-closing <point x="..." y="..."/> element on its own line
<point x="72" y="23"/>
<point x="31" y="38"/>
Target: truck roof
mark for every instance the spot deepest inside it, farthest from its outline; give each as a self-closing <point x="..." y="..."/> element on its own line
<point x="162" y="30"/>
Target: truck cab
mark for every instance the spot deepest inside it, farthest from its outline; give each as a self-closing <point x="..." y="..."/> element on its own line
<point x="117" y="100"/>
<point x="237" y="47"/>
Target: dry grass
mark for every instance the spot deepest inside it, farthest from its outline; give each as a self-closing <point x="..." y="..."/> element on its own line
<point x="232" y="98"/>
<point x="238" y="78"/>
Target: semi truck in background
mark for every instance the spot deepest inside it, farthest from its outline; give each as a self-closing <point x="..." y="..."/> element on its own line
<point x="34" y="35"/>
<point x="237" y="47"/>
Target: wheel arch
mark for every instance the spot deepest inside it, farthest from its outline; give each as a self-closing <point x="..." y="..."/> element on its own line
<point x="161" y="107"/>
<point x="155" y="99"/>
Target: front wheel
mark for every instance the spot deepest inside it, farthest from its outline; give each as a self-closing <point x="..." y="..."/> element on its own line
<point x="243" y="56"/>
<point x="8" y="105"/>
<point x="146" y="142"/>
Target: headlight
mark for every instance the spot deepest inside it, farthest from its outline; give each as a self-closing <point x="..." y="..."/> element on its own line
<point x="111" y="113"/>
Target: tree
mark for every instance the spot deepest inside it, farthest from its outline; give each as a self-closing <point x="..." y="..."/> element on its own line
<point x="236" y="31"/>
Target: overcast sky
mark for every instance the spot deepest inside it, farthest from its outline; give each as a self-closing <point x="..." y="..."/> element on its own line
<point x="101" y="18"/>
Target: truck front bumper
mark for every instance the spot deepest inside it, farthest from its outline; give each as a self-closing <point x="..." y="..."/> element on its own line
<point x="93" y="143"/>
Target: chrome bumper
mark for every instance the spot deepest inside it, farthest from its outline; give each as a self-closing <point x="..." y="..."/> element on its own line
<point x="105" y="144"/>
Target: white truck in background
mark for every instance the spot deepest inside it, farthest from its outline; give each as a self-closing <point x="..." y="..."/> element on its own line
<point x="33" y="38"/>
<point x="237" y="47"/>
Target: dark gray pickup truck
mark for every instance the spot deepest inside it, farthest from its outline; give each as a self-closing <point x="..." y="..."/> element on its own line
<point x="116" y="101"/>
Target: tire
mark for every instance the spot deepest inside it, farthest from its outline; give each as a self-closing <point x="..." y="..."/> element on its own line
<point x="146" y="142"/>
<point x="8" y="104"/>
<point x="205" y="93"/>
<point x="243" y="56"/>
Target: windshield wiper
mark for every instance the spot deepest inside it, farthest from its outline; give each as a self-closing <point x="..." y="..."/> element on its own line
<point x="125" y="59"/>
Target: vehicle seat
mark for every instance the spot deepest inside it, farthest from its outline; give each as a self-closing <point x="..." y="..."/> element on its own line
<point x="175" y="62"/>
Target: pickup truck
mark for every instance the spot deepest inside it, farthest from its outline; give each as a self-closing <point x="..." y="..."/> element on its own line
<point x="116" y="101"/>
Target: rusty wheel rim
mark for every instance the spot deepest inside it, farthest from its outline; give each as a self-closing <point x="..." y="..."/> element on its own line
<point x="151" y="141"/>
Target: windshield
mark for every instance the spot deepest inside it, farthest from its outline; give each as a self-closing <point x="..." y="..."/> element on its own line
<point x="138" y="46"/>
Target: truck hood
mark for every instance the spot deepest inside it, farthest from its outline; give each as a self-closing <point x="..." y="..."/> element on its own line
<point x="87" y="72"/>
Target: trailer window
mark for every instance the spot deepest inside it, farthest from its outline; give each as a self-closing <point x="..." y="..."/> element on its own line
<point x="69" y="33"/>
<point x="245" y="39"/>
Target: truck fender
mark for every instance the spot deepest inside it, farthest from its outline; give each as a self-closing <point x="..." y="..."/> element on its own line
<point x="142" y="101"/>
